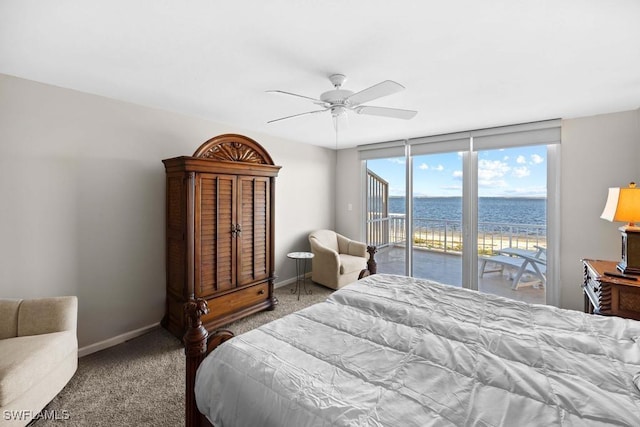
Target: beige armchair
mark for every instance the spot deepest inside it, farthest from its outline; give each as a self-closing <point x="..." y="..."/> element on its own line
<point x="337" y="260"/>
<point x="38" y="354"/>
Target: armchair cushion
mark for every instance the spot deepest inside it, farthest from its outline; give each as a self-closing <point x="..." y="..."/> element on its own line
<point x="46" y="315"/>
<point x="26" y="360"/>
<point x="357" y="249"/>
<point x="350" y="264"/>
<point x="329" y="239"/>
<point x="9" y="318"/>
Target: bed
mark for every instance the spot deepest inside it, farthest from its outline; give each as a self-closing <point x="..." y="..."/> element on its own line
<point x="397" y="351"/>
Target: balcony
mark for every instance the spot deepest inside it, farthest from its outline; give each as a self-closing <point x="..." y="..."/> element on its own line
<point x="437" y="251"/>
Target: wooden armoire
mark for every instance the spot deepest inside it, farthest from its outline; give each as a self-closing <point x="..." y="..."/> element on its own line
<point x="219" y="230"/>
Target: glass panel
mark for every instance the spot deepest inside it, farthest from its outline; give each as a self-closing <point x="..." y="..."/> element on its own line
<point x="437" y="218"/>
<point x="512" y="218"/>
<point x="385" y="213"/>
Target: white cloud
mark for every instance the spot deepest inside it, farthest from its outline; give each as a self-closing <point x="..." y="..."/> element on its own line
<point x="457" y="174"/>
<point x="490" y="169"/>
<point x="521" y="160"/>
<point x="424" y="166"/>
<point x="398" y="161"/>
<point x="439" y="168"/>
<point x="521" y="172"/>
<point x="491" y="173"/>
<point x="492" y="184"/>
<point x="536" y="159"/>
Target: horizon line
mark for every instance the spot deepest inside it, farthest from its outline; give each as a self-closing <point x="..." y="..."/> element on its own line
<point x="486" y="197"/>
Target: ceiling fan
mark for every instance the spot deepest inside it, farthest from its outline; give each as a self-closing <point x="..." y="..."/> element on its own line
<point x="338" y="101"/>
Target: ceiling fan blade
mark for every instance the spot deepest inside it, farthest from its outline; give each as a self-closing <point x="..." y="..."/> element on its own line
<point x="298" y="115"/>
<point x="395" y="113"/>
<point x="384" y="88"/>
<point x="317" y="101"/>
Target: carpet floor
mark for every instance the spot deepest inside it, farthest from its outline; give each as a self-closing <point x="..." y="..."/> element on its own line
<point x="141" y="382"/>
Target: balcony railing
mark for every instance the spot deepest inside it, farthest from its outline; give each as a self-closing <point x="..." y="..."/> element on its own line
<point x="446" y="235"/>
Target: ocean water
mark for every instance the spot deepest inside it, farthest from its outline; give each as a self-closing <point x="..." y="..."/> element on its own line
<point x="508" y="210"/>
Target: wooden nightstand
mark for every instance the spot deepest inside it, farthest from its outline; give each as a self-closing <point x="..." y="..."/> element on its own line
<point x="609" y="295"/>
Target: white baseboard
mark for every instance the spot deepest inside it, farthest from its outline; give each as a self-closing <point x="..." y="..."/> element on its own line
<point x="119" y="339"/>
<point x="288" y="281"/>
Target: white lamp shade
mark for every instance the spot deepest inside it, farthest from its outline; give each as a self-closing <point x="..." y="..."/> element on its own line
<point x="623" y="205"/>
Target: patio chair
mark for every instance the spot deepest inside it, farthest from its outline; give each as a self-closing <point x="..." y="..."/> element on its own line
<point x="522" y="261"/>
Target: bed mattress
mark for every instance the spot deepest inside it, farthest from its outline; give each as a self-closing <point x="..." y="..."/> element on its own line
<point x="397" y="351"/>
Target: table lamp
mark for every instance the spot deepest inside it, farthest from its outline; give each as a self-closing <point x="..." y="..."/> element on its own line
<point x="623" y="205"/>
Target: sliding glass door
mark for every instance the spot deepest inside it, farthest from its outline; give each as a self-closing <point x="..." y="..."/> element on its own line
<point x="512" y="222"/>
<point x="481" y="212"/>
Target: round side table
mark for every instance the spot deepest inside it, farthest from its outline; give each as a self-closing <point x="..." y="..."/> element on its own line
<point x="301" y="270"/>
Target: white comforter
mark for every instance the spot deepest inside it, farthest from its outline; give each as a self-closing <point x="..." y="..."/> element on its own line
<point x="395" y="351"/>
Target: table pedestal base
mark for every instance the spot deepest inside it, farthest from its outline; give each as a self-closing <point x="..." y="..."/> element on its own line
<point x="301" y="277"/>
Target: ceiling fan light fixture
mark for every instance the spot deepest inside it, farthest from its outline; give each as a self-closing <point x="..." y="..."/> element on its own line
<point x="338" y="110"/>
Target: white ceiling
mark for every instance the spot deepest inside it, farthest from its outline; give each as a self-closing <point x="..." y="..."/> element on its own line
<point x="466" y="64"/>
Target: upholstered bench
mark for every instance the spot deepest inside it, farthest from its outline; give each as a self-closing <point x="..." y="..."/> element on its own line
<point x="38" y="354"/>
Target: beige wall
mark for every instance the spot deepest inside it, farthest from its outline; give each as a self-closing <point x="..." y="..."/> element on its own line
<point x="82" y="190"/>
<point x="596" y="153"/>
<point x="349" y="222"/>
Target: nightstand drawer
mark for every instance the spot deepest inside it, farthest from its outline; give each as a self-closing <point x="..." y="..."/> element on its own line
<point x="592" y="289"/>
<point x="607" y="294"/>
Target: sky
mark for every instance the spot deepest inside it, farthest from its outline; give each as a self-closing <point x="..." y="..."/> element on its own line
<point x="509" y="172"/>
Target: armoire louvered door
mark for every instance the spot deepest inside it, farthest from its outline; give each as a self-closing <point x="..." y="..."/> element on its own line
<point x="220" y="232"/>
<point x="216" y="246"/>
<point x="253" y="236"/>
